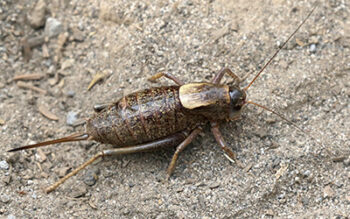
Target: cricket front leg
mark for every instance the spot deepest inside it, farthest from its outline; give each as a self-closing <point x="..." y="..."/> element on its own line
<point x="99" y="107"/>
<point x="217" y="78"/>
<point x="220" y="140"/>
<point x="169" y="141"/>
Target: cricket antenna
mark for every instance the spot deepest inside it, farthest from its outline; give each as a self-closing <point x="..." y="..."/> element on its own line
<point x="287" y="120"/>
<point x="279" y="49"/>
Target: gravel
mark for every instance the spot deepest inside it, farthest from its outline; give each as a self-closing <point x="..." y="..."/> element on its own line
<point x="307" y="82"/>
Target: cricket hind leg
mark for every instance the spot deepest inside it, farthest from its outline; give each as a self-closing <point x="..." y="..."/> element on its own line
<point x="167" y="75"/>
<point x="217" y="78"/>
<point x="169" y="141"/>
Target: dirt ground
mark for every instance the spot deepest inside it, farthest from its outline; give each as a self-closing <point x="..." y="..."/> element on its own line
<point x="287" y="174"/>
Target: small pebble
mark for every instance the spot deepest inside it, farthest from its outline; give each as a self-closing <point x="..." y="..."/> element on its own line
<point x="11" y="216"/>
<point x="305" y="201"/>
<point x="5" y="199"/>
<point x="276" y="162"/>
<point x="282" y="201"/>
<point x="67" y="64"/>
<point x="126" y="211"/>
<point x="281" y="196"/>
<point x="79" y="192"/>
<point x="261" y="132"/>
<point x="81" y="26"/>
<point x="71" y="93"/>
<point x="36" y="17"/>
<point x="4" y="165"/>
<point x="319" y="199"/>
<point x="6" y="179"/>
<point x="91" y="177"/>
<point x="347" y="162"/>
<point x="269" y="212"/>
<point x="214" y="185"/>
<point x="70" y="204"/>
<point x="328" y="192"/>
<point x="179" y="189"/>
<point x="306" y="173"/>
<point x="53" y="27"/>
<point x="71" y="117"/>
<point x="63" y="171"/>
<point x="78" y="35"/>
<point x="313" y="48"/>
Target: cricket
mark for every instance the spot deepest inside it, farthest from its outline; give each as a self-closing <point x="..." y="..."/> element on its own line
<point x="166" y="116"/>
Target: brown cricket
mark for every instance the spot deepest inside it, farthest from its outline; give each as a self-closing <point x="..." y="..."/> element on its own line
<point x="164" y="117"/>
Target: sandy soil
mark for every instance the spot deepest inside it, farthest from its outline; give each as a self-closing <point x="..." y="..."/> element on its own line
<point x="286" y="174"/>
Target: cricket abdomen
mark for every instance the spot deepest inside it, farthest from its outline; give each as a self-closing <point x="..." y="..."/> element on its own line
<point x="141" y="117"/>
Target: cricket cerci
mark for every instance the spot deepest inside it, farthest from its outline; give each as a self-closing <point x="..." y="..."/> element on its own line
<point x="166" y="116"/>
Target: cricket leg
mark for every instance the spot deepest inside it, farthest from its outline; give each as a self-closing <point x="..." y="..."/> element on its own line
<point x="220" y="140"/>
<point x="180" y="148"/>
<point x="217" y="78"/>
<point x="167" y="75"/>
<point x="165" y="142"/>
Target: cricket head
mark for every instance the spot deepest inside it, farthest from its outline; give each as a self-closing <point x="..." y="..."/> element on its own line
<point x="237" y="100"/>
